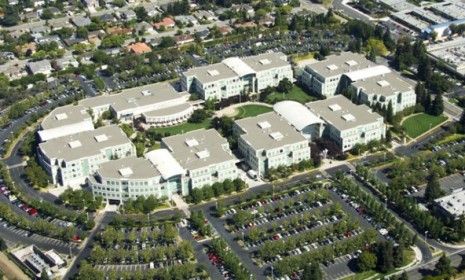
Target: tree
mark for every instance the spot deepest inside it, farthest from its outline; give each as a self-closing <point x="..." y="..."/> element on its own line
<point x="420" y="92"/>
<point x="461" y="123"/>
<point x="44" y="275"/>
<point x="424" y="70"/>
<point x="437" y="107"/>
<point x="399" y="255"/>
<point x="403" y="276"/>
<point x="366" y="261"/>
<point x="141" y="13"/>
<point x="284" y="86"/>
<point x="443" y="266"/>
<point x="433" y="188"/>
<point x="389" y="113"/>
<point x="3" y="246"/>
<point x="82" y="32"/>
<point x="198" y="116"/>
<point x="384" y="253"/>
<point x="312" y="272"/>
<point x="166" y="42"/>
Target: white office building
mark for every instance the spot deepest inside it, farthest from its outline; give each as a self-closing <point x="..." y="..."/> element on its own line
<point x="326" y="77"/>
<point x="269" y="141"/>
<point x="64" y="121"/>
<point x="204" y="155"/>
<point x="385" y="89"/>
<point x="160" y="104"/>
<point x="235" y="76"/>
<point x="348" y="124"/>
<point x="70" y="159"/>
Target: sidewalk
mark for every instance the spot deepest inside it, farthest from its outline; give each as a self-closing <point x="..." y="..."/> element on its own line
<point x="231" y="111"/>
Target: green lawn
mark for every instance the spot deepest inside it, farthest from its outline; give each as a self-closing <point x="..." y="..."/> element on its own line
<point x="418" y="124"/>
<point x="296" y="94"/>
<point x="183" y="128"/>
<point x="252" y="110"/>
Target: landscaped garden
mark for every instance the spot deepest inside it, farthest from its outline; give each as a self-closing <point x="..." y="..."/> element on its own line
<point x="251" y="110"/>
<point x="295" y="94"/>
<point x="418" y="124"/>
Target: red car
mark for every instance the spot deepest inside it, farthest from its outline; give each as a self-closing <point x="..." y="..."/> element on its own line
<point x="76" y="238"/>
<point x="33" y="212"/>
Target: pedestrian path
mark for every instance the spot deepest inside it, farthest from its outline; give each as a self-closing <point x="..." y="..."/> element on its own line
<point x="181" y="205"/>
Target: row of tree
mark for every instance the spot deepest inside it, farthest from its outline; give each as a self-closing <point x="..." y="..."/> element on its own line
<point x="217" y="189"/>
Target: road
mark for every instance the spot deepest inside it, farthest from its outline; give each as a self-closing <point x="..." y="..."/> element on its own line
<point x="87" y="246"/>
<point x="452" y="110"/>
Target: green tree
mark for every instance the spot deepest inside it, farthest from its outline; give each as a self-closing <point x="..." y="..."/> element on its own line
<point x="461" y="123"/>
<point x="433" y="188"/>
<point x="443" y="266"/>
<point x="312" y="272"/>
<point x="366" y="261"/>
<point x="384" y="253"/>
<point x="3" y="246"/>
<point x="424" y="70"/>
<point x="389" y="113"/>
<point x="44" y="275"/>
<point x="284" y="86"/>
<point x="141" y="13"/>
<point x="437" y="107"/>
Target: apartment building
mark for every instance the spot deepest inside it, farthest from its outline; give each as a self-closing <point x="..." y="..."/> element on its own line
<point x="268" y="141"/>
<point x="70" y="159"/>
<point x="204" y="155"/>
<point x="385" y="89"/>
<point x="64" y="121"/>
<point x="346" y="123"/>
<point x="235" y="76"/>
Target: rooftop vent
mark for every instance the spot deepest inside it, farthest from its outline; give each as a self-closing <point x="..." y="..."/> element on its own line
<point x="276" y="135"/>
<point x="62" y="116"/>
<point x="101" y="138"/>
<point x="74" y="144"/>
<point x="383" y="83"/>
<point x="265" y="61"/>
<point x="192" y="142"/>
<point x="125" y="171"/>
<point x="203" y="154"/>
<point x="332" y="67"/>
<point x="213" y="73"/>
<point x="334" y="107"/>
<point x="348" y="117"/>
<point x="146" y="92"/>
<point x="351" y="62"/>
<point x="264" y="125"/>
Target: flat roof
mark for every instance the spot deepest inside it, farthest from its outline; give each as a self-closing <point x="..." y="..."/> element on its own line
<point x="268" y="131"/>
<point x="135" y="97"/>
<point x="338" y="64"/>
<point x="168" y="111"/>
<point x="453" y="203"/>
<point x="84" y="144"/>
<point x="128" y="168"/>
<point x="199" y="148"/>
<point x="384" y="85"/>
<point x="368" y="72"/>
<point x="238" y="67"/>
<point x="341" y="113"/>
<point x="65" y="115"/>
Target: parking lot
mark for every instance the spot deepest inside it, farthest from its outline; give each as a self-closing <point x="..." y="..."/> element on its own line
<point x="302" y="219"/>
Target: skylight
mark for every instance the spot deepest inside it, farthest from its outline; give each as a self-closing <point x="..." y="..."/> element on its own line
<point x="264" y="125"/>
<point x="74" y="144"/>
<point x="213" y="72"/>
<point x="348" y="117"/>
<point x="101" y="138"/>
<point x="351" y="62"/>
<point x="125" y="171"/>
<point x="192" y="142"/>
<point x="332" y="67"/>
<point x="146" y="92"/>
<point x="383" y="83"/>
<point x="334" y="107"/>
<point x="203" y="154"/>
<point x="276" y="135"/>
<point x="62" y="116"/>
<point x="265" y="61"/>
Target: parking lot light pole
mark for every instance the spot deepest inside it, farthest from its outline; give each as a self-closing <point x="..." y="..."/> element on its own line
<point x="426" y="237"/>
<point x="272" y="272"/>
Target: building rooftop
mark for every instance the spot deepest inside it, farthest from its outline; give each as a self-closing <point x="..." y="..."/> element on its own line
<point x="65" y="115"/>
<point x="84" y="144"/>
<point x="39" y="66"/>
<point x="453" y="203"/>
<point x="296" y="114"/>
<point x="238" y="67"/>
<point x="384" y="85"/>
<point x="135" y="97"/>
<point x="168" y="111"/>
<point x="166" y="164"/>
<point x="339" y="64"/>
<point x="268" y="131"/>
<point x="341" y="113"/>
<point x="199" y="148"/>
<point x="128" y="168"/>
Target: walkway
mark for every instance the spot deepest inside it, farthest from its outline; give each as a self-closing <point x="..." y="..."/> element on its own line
<point x="231" y="111"/>
<point x="181" y="205"/>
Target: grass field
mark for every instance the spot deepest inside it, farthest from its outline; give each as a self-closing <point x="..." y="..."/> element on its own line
<point x="183" y="128"/>
<point x="251" y="110"/>
<point x="296" y="94"/>
<point x="418" y="124"/>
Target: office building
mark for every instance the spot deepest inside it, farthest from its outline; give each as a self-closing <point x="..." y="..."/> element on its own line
<point x="269" y="141"/>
